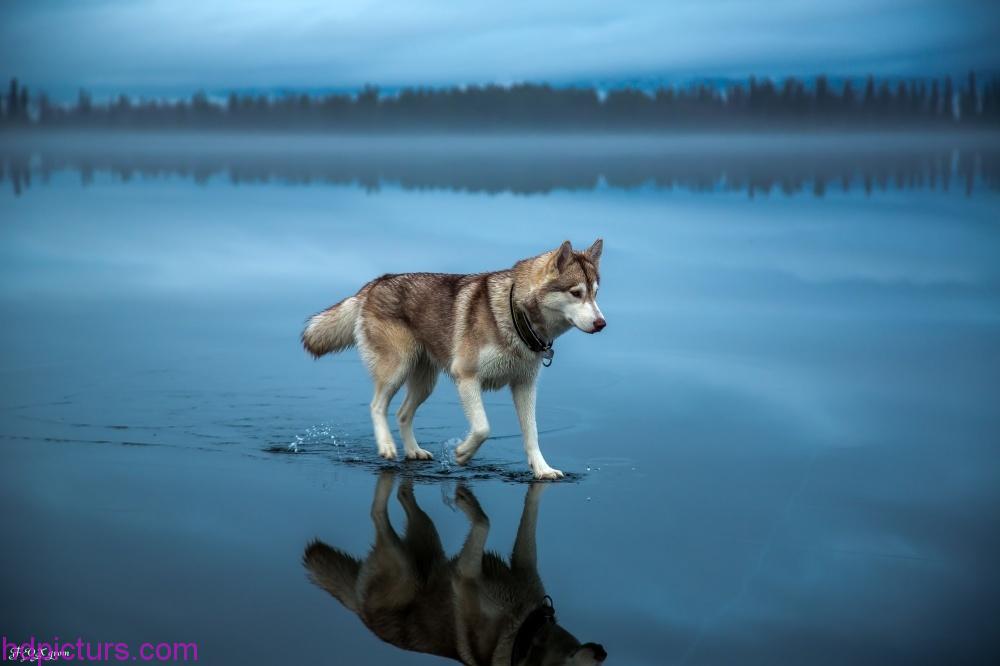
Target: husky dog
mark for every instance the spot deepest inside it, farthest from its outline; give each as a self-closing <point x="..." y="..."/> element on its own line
<point x="486" y="330"/>
<point x="473" y="608"/>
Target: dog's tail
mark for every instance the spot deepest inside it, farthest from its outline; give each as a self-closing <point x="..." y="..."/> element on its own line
<point x="334" y="571"/>
<point x="332" y="330"/>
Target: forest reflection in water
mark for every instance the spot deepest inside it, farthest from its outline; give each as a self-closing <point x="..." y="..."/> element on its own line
<point x="790" y="164"/>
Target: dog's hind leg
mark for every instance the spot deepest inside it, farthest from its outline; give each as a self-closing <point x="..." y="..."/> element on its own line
<point x="380" y="508"/>
<point x="421" y="539"/>
<point x="384" y="392"/>
<point x="388" y="574"/>
<point x="419" y="386"/>
<point x="390" y="351"/>
<point x="470" y="558"/>
<point x="471" y="394"/>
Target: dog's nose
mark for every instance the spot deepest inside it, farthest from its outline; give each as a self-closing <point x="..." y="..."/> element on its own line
<point x="599" y="324"/>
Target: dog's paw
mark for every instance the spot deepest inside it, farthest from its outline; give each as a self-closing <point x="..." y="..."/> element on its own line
<point x="463" y="455"/>
<point x="547" y="473"/>
<point x="419" y="454"/>
<point x="469" y="505"/>
<point x="387" y="451"/>
<point x="405" y="491"/>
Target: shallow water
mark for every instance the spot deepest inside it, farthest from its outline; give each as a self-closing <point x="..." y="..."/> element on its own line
<point x="782" y="449"/>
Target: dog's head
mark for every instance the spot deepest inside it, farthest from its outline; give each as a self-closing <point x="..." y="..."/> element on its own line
<point x="569" y="286"/>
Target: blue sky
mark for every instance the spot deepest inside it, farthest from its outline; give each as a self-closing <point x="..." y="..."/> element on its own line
<point x="165" y="46"/>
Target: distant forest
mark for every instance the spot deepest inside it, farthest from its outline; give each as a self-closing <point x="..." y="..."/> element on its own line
<point x="758" y="103"/>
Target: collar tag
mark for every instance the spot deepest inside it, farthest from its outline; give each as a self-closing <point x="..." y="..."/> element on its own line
<point x="547" y="355"/>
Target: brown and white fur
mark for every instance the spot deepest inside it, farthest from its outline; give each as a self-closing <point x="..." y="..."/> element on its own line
<point x="469" y="608"/>
<point x="411" y="326"/>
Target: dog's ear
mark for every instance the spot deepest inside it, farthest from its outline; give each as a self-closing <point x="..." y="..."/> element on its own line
<point x="560" y="258"/>
<point x="594" y="251"/>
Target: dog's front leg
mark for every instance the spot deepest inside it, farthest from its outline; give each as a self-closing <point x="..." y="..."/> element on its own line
<point x="524" y="557"/>
<point x="471" y="394"/>
<point x="470" y="558"/>
<point x="524" y="402"/>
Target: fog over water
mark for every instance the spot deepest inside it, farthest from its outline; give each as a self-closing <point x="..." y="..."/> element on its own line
<point x="753" y="163"/>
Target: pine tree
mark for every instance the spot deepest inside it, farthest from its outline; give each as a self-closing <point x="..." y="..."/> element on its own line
<point x="934" y="103"/>
<point x="970" y="100"/>
<point x="12" y="101"/>
<point x="868" y="103"/>
<point x="22" y="106"/>
<point x="948" y="100"/>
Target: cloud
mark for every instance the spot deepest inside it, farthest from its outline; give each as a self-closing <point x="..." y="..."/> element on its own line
<point x="150" y="44"/>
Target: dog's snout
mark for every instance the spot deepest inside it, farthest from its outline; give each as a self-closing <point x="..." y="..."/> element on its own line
<point x="599" y="324"/>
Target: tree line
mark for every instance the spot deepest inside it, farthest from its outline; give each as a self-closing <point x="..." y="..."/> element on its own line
<point x="757" y="103"/>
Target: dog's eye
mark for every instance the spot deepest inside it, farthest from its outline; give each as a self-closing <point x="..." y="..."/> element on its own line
<point x="576" y="293"/>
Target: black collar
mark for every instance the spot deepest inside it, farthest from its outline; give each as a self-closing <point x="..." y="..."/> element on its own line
<point x="544" y="614"/>
<point x="533" y="340"/>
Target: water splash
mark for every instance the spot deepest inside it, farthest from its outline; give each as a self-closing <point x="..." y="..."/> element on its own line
<point x="329" y="441"/>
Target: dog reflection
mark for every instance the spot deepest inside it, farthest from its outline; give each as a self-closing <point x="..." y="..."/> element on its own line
<point x="473" y="608"/>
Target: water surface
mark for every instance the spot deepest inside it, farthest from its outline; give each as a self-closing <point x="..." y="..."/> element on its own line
<point x="783" y="447"/>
